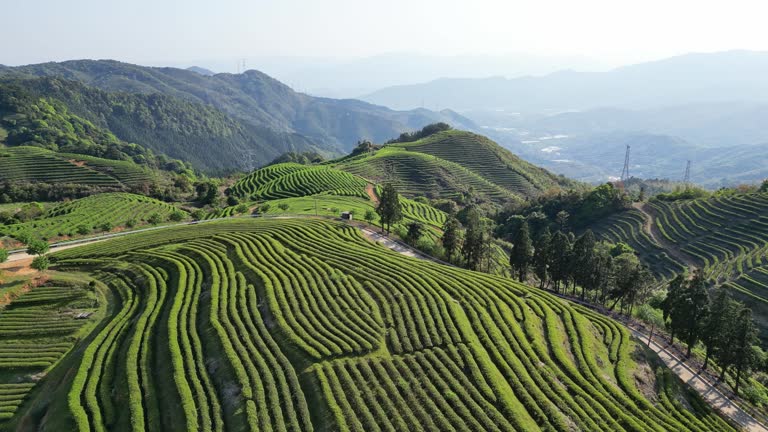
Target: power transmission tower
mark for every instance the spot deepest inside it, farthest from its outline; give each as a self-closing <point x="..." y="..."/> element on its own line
<point x="625" y="171"/>
<point x="687" y="177"/>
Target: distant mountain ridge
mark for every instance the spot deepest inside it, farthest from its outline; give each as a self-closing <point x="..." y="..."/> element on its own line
<point x="691" y="78"/>
<point x="252" y="98"/>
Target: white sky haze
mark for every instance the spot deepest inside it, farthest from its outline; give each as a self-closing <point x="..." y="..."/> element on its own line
<point x="160" y="30"/>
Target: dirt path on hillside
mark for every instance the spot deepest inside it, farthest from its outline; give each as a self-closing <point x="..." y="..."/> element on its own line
<point x="650" y="228"/>
<point x="371" y="191"/>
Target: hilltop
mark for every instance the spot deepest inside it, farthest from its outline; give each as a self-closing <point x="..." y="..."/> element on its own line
<point x="453" y="163"/>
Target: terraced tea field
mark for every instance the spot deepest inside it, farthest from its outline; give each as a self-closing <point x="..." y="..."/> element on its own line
<point x="486" y="158"/>
<point x="418" y="174"/>
<point x="628" y="227"/>
<point x="33" y="164"/>
<point x="36" y="330"/>
<point x="294" y="180"/>
<point x="725" y="236"/>
<point x="91" y="213"/>
<point x="299" y="324"/>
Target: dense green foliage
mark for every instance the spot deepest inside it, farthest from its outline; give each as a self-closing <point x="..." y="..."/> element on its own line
<point x="314" y="328"/>
<point x="34" y="120"/>
<point x="171" y="126"/>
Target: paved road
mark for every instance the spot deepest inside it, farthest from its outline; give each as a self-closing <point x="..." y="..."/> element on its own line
<point x="710" y="393"/>
<point x="391" y="244"/>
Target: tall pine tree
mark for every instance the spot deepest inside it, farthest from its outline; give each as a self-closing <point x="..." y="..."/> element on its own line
<point x="389" y="209"/>
<point x="522" y="252"/>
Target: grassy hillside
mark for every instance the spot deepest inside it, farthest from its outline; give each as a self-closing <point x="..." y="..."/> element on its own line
<point x="418" y="174"/>
<point x="628" y="227"/>
<point x="37" y="331"/>
<point x="34" y="164"/>
<point x="311" y="327"/>
<point x="293" y="180"/>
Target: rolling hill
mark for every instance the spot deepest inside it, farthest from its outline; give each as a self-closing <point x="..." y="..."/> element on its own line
<point x="297" y="324"/>
<point x="451" y="163"/>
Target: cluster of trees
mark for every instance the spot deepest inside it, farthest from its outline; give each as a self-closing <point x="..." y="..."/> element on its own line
<point x="561" y="210"/>
<point x="24" y="213"/>
<point x="606" y="274"/>
<point x="467" y="236"/>
<point x="304" y="158"/>
<point x="426" y="131"/>
<point x="725" y="327"/>
<point x="38" y="248"/>
<point x="468" y="239"/>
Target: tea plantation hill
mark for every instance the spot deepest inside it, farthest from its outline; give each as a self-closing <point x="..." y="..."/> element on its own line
<point x="449" y="163"/>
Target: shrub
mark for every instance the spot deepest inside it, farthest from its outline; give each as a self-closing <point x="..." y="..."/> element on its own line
<point x="177" y="216"/>
<point x="37" y="247"/>
<point x="40" y="263"/>
<point x="106" y="226"/>
<point x="83" y="229"/>
<point x="155" y="218"/>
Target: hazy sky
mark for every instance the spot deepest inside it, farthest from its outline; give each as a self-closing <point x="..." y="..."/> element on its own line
<point x="161" y="30"/>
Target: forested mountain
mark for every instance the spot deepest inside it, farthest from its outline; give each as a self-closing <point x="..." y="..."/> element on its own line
<point x="254" y="99"/>
<point x="206" y="137"/>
